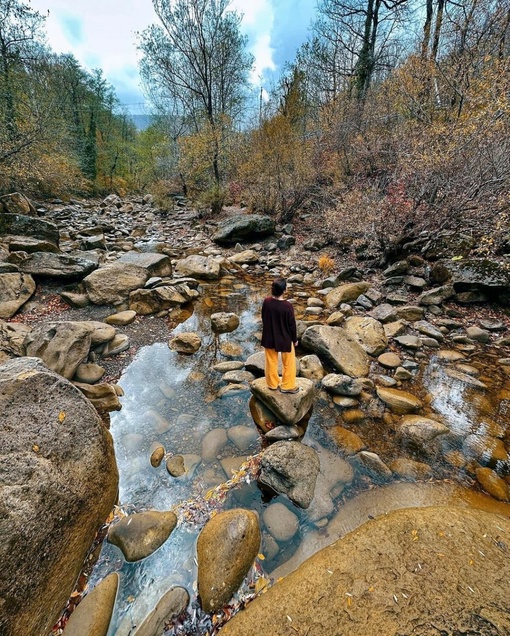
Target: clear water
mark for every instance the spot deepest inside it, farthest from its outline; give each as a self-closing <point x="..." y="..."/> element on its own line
<point x="172" y="399"/>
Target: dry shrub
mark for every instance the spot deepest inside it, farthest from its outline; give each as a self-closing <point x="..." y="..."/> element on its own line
<point x="326" y="264"/>
<point x="46" y="174"/>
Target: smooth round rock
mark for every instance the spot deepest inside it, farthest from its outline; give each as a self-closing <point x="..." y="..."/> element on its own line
<point x="141" y="534"/>
<point x="157" y="456"/>
<point x="226" y="549"/>
<point x="389" y="360"/>
<point x="347" y="441"/>
<point x="93" y="615"/>
<point x="175" y="466"/>
<point x="122" y="318"/>
<point x="89" y="373"/>
<point x="399" y="401"/>
<point x="213" y="442"/>
<point x="493" y="484"/>
<point x="172" y="604"/>
<point x="242" y="436"/>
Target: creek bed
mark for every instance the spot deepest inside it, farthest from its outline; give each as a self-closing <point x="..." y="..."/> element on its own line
<point x="172" y="399"/>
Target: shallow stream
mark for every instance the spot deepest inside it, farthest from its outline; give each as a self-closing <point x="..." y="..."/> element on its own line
<point x="172" y="400"/>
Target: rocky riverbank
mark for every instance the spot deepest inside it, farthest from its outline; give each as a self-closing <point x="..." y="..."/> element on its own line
<point x="83" y="285"/>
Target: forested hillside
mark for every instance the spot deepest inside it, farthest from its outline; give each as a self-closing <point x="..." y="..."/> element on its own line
<point x="393" y="115"/>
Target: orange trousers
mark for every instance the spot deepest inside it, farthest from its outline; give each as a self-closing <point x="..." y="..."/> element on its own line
<point x="288" y="381"/>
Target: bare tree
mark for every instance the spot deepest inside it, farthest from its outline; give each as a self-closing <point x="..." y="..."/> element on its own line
<point x="196" y="60"/>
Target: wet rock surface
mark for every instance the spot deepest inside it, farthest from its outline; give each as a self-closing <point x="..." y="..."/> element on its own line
<point x="139" y="535"/>
<point x="449" y="356"/>
<point x="291" y="468"/>
<point x="226" y="549"/>
<point x="436" y="538"/>
<point x="93" y="615"/>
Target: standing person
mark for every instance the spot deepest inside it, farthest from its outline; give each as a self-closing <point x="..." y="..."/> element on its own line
<point x="279" y="335"/>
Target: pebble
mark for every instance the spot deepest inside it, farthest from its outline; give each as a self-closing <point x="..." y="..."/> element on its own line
<point x="389" y="360"/>
<point x="157" y="456"/>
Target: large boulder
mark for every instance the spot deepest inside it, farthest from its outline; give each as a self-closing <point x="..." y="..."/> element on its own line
<point x="489" y="277"/>
<point x="224" y="322"/>
<point x="197" y="266"/>
<point x="59" y="266"/>
<point x="61" y="345"/>
<point x="291" y="468"/>
<point x="29" y="226"/>
<point x="368" y="332"/>
<point x="112" y="284"/>
<point x="17" y="203"/>
<point x="345" y="588"/>
<point x="226" y="549"/>
<point x="244" y="227"/>
<point x="448" y="244"/>
<point x="156" y="264"/>
<point x="150" y="301"/>
<point x="58" y="483"/>
<point x="289" y="408"/>
<point x="338" y="347"/>
<point x="345" y="293"/>
<point x="15" y="290"/>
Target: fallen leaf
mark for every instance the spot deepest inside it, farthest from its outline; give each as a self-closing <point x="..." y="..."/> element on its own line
<point x="61" y="416"/>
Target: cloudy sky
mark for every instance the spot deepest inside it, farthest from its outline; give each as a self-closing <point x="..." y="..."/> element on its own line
<point x="102" y="34"/>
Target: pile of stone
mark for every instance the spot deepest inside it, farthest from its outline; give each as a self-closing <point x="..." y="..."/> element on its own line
<point x="72" y="349"/>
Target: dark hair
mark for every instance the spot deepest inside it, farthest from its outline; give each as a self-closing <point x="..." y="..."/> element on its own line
<point x="278" y="286"/>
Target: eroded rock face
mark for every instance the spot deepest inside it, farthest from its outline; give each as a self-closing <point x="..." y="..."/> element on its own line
<point x="15" y="290"/>
<point x="186" y="342"/>
<point x="226" y="549"/>
<point x="62" y="346"/>
<point x="243" y="227"/>
<point x="438" y="538"/>
<point x="17" y="203"/>
<point x="28" y="226"/>
<point x="224" y="322"/>
<point x="338" y="347"/>
<point x="291" y="468"/>
<point x="59" y="482"/>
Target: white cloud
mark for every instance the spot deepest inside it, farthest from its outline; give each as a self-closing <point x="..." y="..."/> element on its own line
<point x="107" y="36"/>
<point x="102" y="34"/>
<point x="257" y="23"/>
